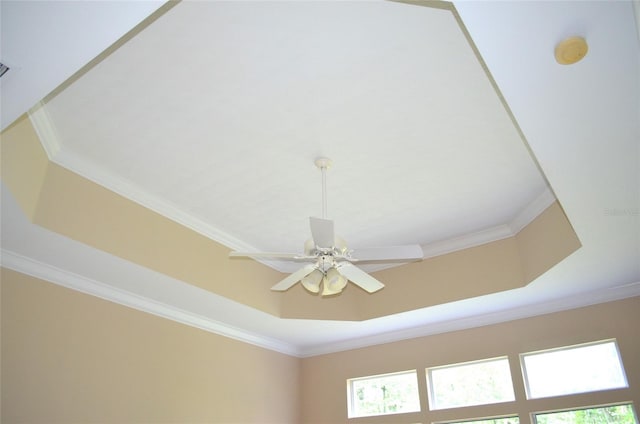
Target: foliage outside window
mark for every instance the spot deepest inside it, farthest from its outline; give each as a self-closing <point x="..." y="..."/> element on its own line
<point x="383" y="394"/>
<point x="471" y="383"/>
<point x="615" y="414"/>
<point x="574" y="369"/>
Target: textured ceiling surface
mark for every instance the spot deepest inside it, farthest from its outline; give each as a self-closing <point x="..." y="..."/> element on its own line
<point x="416" y="141"/>
<point x="218" y="109"/>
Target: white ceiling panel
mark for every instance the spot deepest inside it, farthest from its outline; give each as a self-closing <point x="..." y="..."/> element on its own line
<point x="219" y="109"/>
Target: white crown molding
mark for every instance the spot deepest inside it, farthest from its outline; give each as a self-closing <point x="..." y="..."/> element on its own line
<point x="70" y="280"/>
<point x="532" y="211"/>
<point x="573" y="302"/>
<point x="46" y="131"/>
<point x="467" y="241"/>
<point x="500" y="232"/>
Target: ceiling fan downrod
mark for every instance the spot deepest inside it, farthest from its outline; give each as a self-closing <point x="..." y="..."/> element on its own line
<point x="323" y="164"/>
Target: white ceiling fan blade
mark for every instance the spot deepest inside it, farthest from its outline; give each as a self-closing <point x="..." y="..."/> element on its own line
<point x="359" y="277"/>
<point x="408" y="253"/>
<point x="283" y="256"/>
<point x="294" y="278"/>
<point x="322" y="232"/>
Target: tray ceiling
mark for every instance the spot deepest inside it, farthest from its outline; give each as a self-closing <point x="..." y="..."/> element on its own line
<point x="211" y="113"/>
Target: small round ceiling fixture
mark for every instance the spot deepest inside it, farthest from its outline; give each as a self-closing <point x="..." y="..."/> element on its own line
<point x="571" y="50"/>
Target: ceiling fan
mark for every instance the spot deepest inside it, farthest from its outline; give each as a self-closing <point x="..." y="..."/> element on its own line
<point x="330" y="261"/>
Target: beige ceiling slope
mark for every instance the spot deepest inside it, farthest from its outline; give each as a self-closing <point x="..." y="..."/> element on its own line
<point x="82" y="210"/>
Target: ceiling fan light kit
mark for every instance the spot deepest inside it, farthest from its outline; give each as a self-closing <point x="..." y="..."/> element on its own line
<point x="331" y="261"/>
<point x="333" y="282"/>
<point x="312" y="281"/>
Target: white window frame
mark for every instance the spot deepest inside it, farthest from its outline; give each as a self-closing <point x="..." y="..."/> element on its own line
<point x="473" y="420"/>
<point x="534" y="420"/>
<point x="525" y="375"/>
<point x="351" y="394"/>
<point x="430" y="388"/>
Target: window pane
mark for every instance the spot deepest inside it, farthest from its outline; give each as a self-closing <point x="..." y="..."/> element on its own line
<point x="473" y="383"/>
<point x="505" y="420"/>
<point x="571" y="370"/>
<point x="618" y="414"/>
<point x="383" y="394"/>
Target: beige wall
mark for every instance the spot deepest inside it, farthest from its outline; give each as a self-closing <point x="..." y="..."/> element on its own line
<point x="324" y="377"/>
<point x="72" y="358"/>
<point x="69" y="357"/>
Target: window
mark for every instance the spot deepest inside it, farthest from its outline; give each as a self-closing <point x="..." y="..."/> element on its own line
<point x="471" y="383"/>
<point x="574" y="369"/>
<point x="502" y="420"/>
<point x="383" y="394"/>
<point x="554" y="372"/>
<point x="614" y="414"/>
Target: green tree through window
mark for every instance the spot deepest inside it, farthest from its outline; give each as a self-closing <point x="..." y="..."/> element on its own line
<point x="389" y="394"/>
<point x="471" y="383"/>
<point x="617" y="414"/>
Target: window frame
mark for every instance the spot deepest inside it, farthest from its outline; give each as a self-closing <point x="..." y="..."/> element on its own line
<point x="525" y="375"/>
<point x="534" y="420"/>
<point x="430" y="388"/>
<point x="476" y="419"/>
<point x="351" y="393"/>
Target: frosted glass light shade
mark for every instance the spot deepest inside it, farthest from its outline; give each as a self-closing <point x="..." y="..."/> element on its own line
<point x="312" y="281"/>
<point x="334" y="282"/>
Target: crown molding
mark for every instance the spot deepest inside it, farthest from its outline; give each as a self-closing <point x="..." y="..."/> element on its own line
<point x="500" y="232"/>
<point x="594" y="297"/>
<point x="466" y="241"/>
<point x="70" y="280"/>
<point x="532" y="211"/>
<point x="45" y="129"/>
